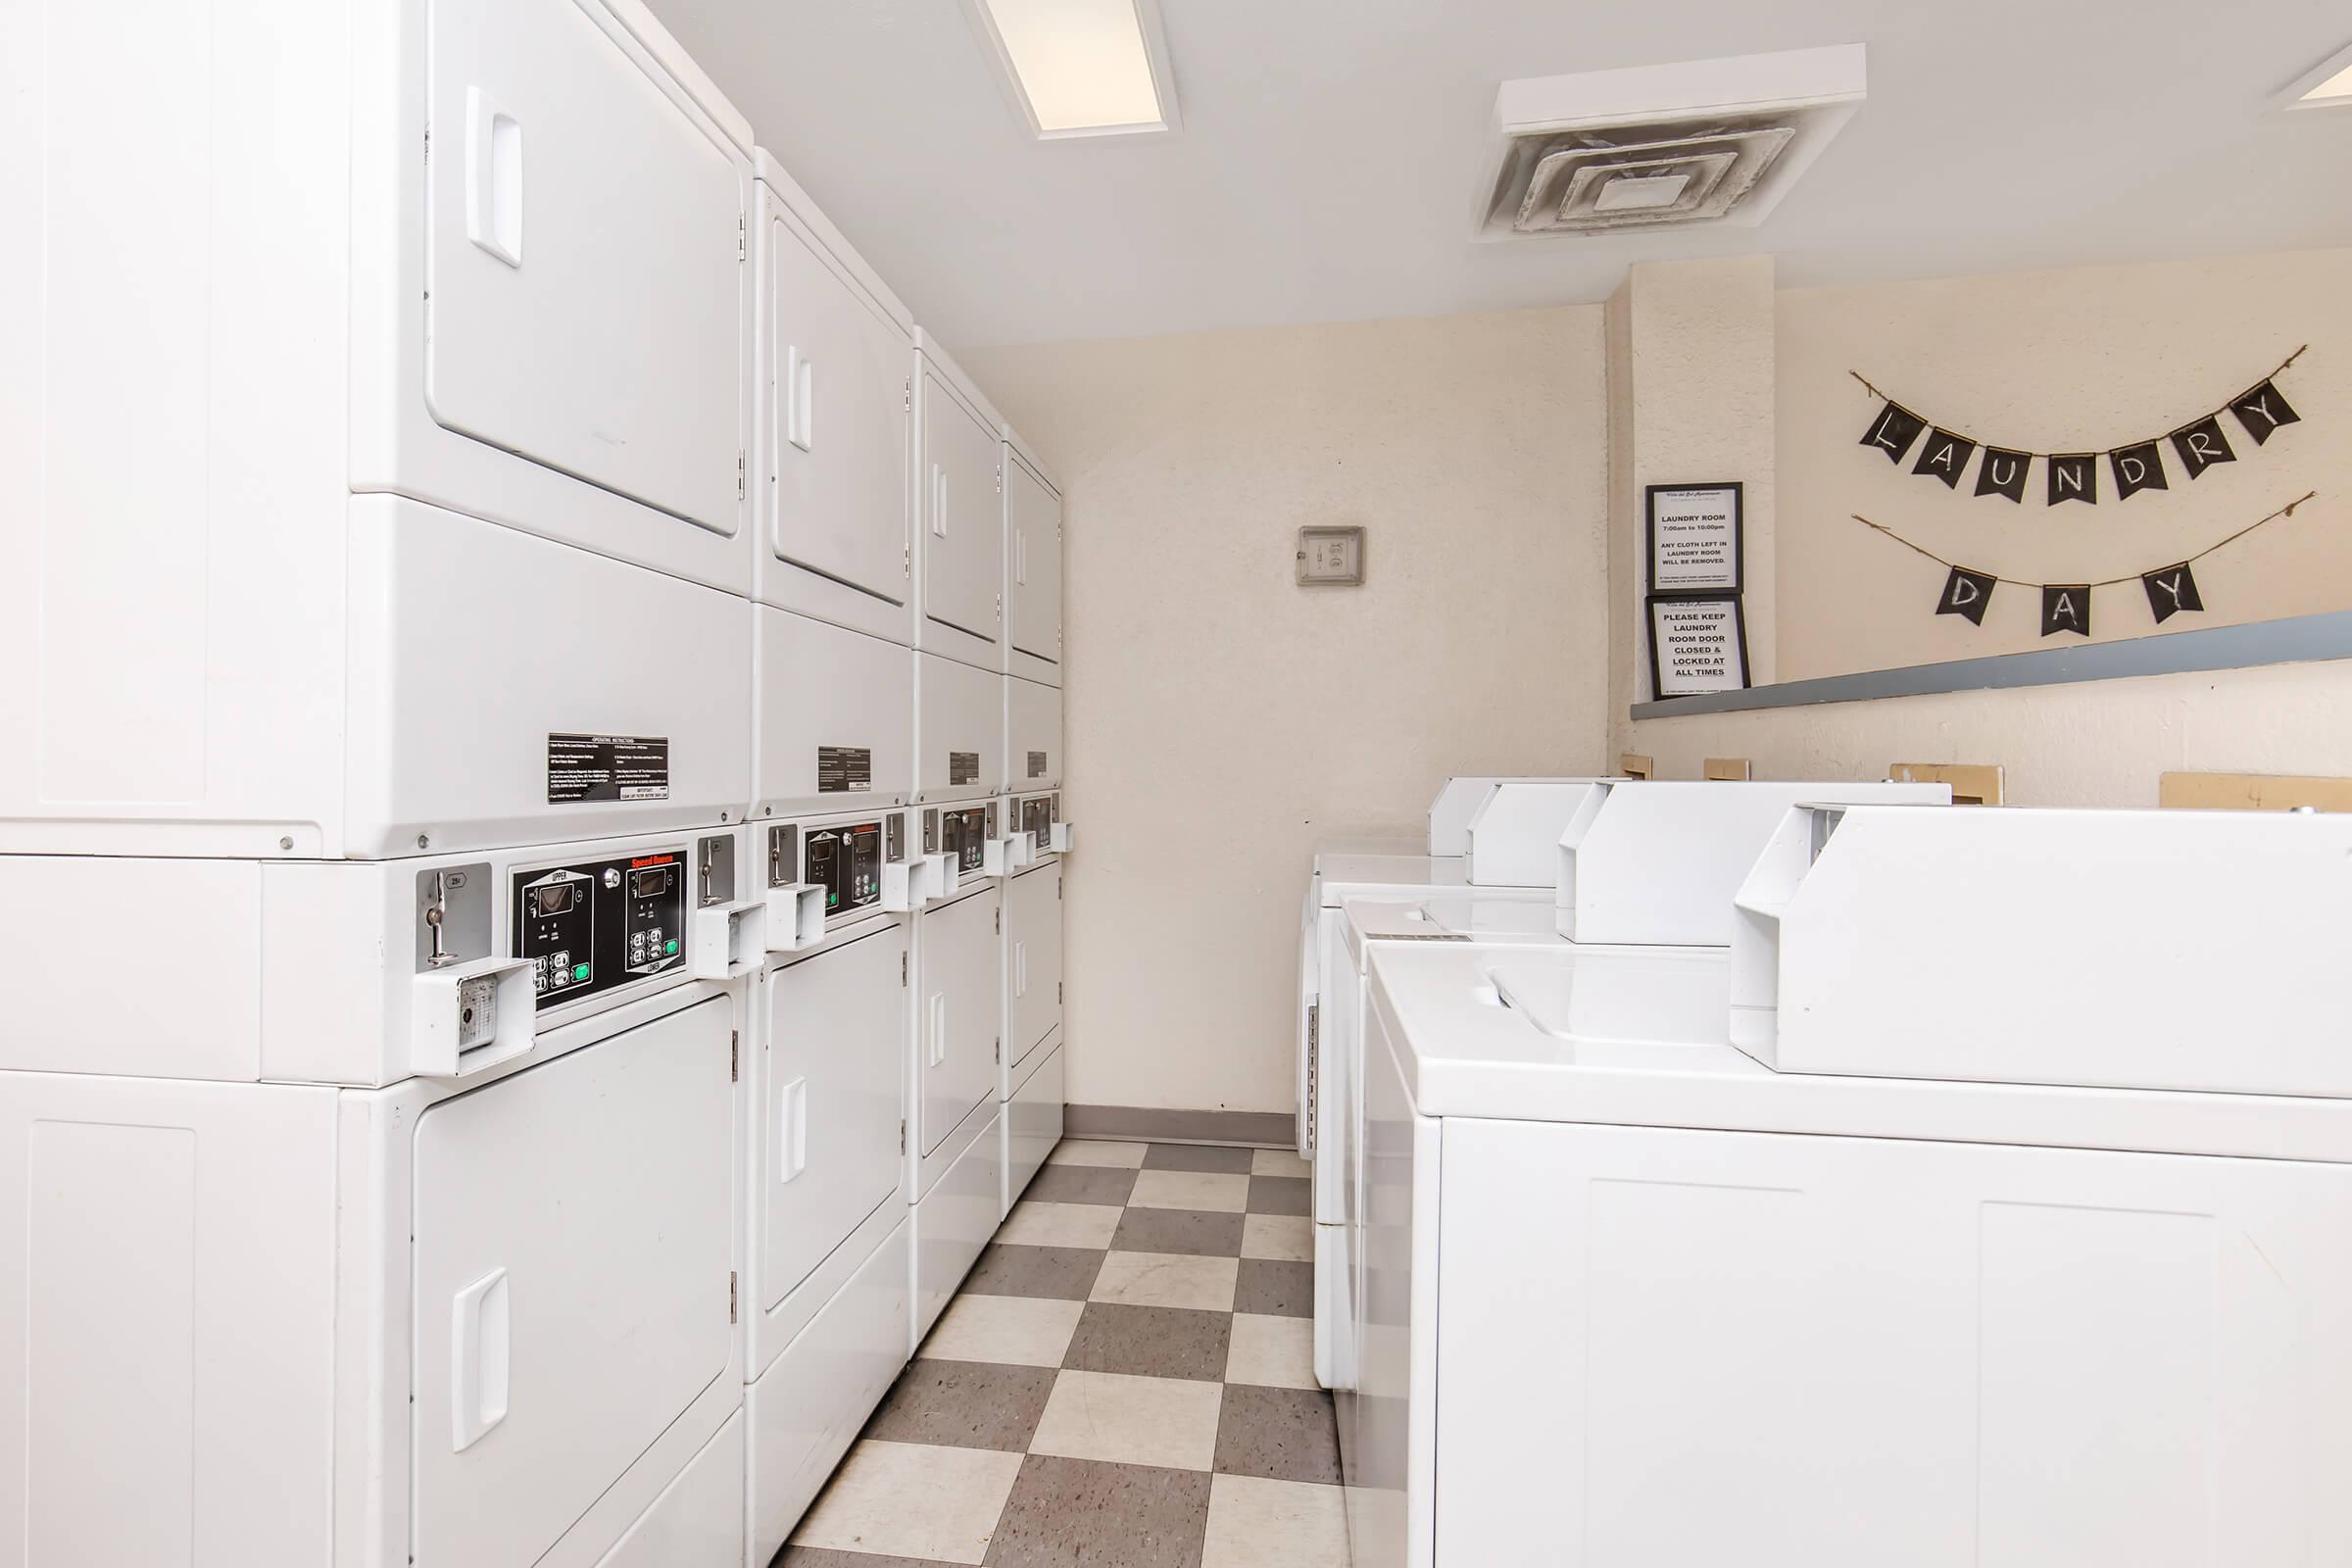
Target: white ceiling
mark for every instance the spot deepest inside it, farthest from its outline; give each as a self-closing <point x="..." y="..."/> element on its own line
<point x="1331" y="150"/>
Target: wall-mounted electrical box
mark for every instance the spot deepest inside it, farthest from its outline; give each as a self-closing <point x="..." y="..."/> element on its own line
<point x="1331" y="558"/>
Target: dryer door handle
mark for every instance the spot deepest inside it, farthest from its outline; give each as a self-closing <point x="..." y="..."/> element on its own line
<point x="792" y="1131"/>
<point x="479" y="1342"/>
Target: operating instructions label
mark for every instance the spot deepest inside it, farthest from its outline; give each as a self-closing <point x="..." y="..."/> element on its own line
<point x="963" y="767"/>
<point x="606" y="767"/>
<point x="844" y="769"/>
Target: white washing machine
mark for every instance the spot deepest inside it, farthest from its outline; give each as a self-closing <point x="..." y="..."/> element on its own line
<point x="828" y="1259"/>
<point x="1637" y="1299"/>
<point x="460" y="1287"/>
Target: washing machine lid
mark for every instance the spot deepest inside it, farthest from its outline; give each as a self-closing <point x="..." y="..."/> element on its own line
<point x="1589" y="1035"/>
<point x="1341" y="877"/>
<point x="1398" y="844"/>
<point x="1507" y="916"/>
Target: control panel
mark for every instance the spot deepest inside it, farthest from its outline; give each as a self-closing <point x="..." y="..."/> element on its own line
<point x="1037" y="815"/>
<point x="960" y="831"/>
<point x="599" y="924"/>
<point x="845" y="858"/>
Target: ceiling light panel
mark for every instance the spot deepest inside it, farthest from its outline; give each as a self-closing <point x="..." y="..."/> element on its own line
<point x="1081" y="67"/>
<point x="2327" y="86"/>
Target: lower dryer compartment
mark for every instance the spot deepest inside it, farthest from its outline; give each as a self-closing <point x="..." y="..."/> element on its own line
<point x="954" y="1220"/>
<point x="959" y="1025"/>
<point x="805" y="1409"/>
<point x="1032" y="1120"/>
<point x="698" y="1518"/>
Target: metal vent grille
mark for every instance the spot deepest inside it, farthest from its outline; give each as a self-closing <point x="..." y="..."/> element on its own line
<point x="1634" y="177"/>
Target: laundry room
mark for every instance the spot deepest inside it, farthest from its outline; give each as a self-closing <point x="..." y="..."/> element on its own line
<point x="1174" y="784"/>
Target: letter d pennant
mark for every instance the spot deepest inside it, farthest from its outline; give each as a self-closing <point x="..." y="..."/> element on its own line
<point x="1966" y="593"/>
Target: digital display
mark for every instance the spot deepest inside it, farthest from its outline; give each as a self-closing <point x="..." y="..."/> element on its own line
<point x="654" y="881"/>
<point x="555" y="899"/>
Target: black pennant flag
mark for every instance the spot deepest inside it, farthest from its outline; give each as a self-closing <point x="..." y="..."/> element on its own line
<point x="2075" y="477"/>
<point x="1966" y="593"/>
<point x="2137" y="468"/>
<point x="2066" y="607"/>
<point x="1945" y="455"/>
<point x="2261" y="410"/>
<point x="1893" y="431"/>
<point x="2171" y="590"/>
<point x="2202" y="445"/>
<point x="2004" y="474"/>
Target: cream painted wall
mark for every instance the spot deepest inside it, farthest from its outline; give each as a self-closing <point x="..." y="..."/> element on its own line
<point x="1219" y="718"/>
<point x="2082" y="359"/>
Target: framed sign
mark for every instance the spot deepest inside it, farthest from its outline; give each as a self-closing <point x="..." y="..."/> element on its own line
<point x="1697" y="643"/>
<point x="1693" y="532"/>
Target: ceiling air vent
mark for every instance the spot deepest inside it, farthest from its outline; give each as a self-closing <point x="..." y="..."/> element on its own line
<point x="1710" y="141"/>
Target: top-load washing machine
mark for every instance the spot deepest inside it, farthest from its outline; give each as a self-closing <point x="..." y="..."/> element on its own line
<point x="422" y="523"/>
<point x="1638" y="1296"/>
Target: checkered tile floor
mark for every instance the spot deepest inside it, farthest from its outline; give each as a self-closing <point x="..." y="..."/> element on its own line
<point x="1126" y="1379"/>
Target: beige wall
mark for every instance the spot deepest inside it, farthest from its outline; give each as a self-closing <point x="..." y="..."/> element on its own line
<point x="1219" y="718"/>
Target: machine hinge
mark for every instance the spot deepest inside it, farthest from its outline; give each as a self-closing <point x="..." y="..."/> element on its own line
<point x="1057" y="993"/>
<point x="428" y="144"/>
<point x="1000" y="922"/>
<point x="902" y="1135"/>
<point x="902" y="969"/>
<point x="906" y="397"/>
<point x="734" y="1053"/>
<point x="743" y="244"/>
<point x="906" y="561"/>
<point x="739" y="468"/>
<point x="1000" y="478"/>
<point x="730" y="1295"/>
<point x="1000" y="606"/>
<point x="1000" y="1053"/>
<point x="1313" y="1022"/>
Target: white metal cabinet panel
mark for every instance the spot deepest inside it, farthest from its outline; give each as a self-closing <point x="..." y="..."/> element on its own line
<point x="699" y="1517"/>
<point x="834" y="434"/>
<point x="954" y="1219"/>
<point x="1032" y="735"/>
<point x="833" y="1052"/>
<point x="807" y="1409"/>
<point x="586" y="262"/>
<point x="168" y="1390"/>
<point x="1032" y="1122"/>
<point x="959" y="519"/>
<point x="959" y="997"/>
<point x="820" y="688"/>
<point x="1032" y="961"/>
<point x="958" y="729"/>
<point x="1032" y="570"/>
<point x="456" y="685"/>
<point x="571" y="1278"/>
<point x="1938" y="1354"/>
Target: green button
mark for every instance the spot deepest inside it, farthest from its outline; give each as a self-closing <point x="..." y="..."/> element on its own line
<point x="671" y="946"/>
<point x="580" y="971"/>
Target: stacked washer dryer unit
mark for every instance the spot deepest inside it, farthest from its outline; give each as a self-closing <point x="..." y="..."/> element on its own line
<point x="2012" y="1230"/>
<point x="835" y="856"/>
<point x="372" y="877"/>
<point x="1503" y="834"/>
<point x="1030" y="1081"/>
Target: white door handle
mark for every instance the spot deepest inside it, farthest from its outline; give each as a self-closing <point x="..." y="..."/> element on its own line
<point x="939" y="1028"/>
<point x="493" y="178"/>
<point x="792" y="1131"/>
<point x="1020" y="969"/>
<point x="1020" y="555"/>
<point x="938" y="501"/>
<point x="800" y="396"/>
<point x="477" y="1371"/>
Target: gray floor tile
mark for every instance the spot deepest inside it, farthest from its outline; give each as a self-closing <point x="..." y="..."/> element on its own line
<point x="1276" y="1288"/>
<point x="1080" y="1183"/>
<point x="1066" y="1273"/>
<point x="964" y="1404"/>
<point x="1083" y="1512"/>
<point x="1197" y="1156"/>
<point x="1180" y="1230"/>
<point x="1151" y="1342"/>
<point x="822" y="1557"/>
<point x="1278" y="1195"/>
<point x="1280" y="1434"/>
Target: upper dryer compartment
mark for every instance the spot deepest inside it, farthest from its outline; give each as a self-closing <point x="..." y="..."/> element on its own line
<point x="486" y="253"/>
<point x="834" y="399"/>
<point x="959" y="494"/>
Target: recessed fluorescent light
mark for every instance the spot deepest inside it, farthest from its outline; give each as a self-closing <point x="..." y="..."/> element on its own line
<point x="1081" y="67"/>
<point x="2327" y="86"/>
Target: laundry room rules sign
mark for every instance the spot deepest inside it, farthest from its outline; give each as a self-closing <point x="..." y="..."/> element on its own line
<point x="1697" y="643"/>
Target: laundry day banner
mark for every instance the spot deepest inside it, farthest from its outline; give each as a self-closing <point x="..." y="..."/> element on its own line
<point x="2170" y="589"/>
<point x="1947" y="452"/>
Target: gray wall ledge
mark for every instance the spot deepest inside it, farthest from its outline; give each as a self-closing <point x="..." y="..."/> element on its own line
<point x="2296" y="640"/>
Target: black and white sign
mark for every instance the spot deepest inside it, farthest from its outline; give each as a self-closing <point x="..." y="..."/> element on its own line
<point x="2171" y="590"/>
<point x="1967" y="593"/>
<point x="1694" y="537"/>
<point x="1697" y="644"/>
<point x="582" y="768"/>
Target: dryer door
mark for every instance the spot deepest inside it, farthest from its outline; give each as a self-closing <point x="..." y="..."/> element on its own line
<point x="1033" y="959"/>
<point x="585" y="261"/>
<point x="571" y="1277"/>
<point x="830" y="1133"/>
<point x="959" y="1016"/>
<point x="1033" y="514"/>
<point x="963" y="515"/>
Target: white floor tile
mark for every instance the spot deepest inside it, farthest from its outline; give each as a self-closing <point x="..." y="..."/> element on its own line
<point x="1097" y="1151"/>
<point x="1042" y="1224"/>
<point x="1276" y="1162"/>
<point x="910" y="1499"/>
<point x="1171" y="1422"/>
<point x="1020" y="1330"/>
<point x="1165" y="1279"/>
<point x="1284" y="1238"/>
<point x="1277" y="1352"/>
<point x="1254" y="1523"/>
<point x="1214" y="1192"/>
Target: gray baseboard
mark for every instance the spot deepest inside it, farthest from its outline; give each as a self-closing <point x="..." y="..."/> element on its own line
<point x="1266" y="1129"/>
